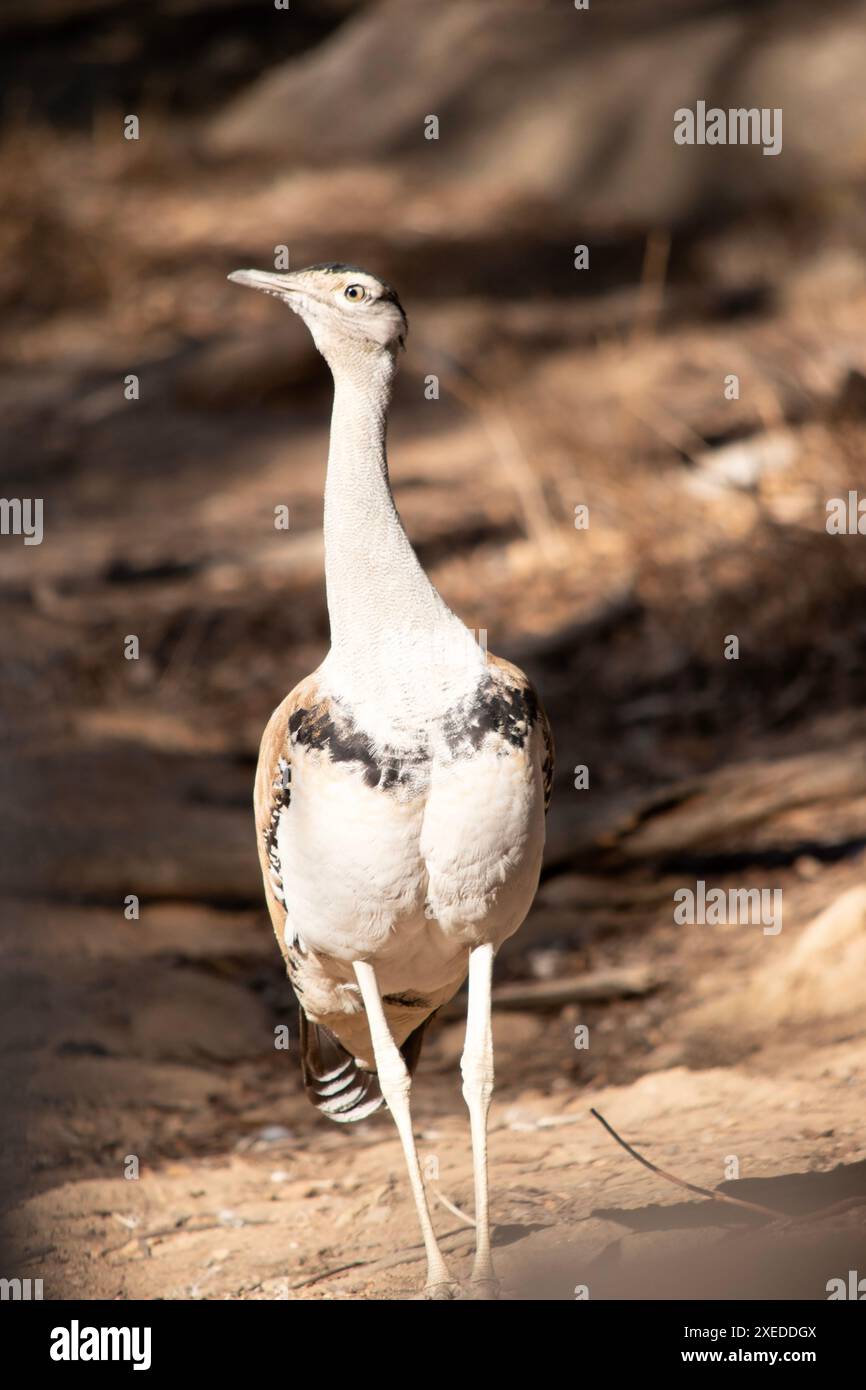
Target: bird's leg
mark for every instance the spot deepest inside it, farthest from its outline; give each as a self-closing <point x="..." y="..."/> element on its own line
<point x="395" y="1083"/>
<point x="477" y="1068"/>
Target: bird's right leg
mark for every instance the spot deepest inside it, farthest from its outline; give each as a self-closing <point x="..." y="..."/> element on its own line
<point x="395" y="1083"/>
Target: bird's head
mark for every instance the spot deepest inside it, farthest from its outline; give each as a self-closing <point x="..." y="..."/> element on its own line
<point x="347" y="310"/>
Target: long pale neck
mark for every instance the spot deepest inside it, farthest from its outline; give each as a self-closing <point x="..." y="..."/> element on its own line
<point x="398" y="653"/>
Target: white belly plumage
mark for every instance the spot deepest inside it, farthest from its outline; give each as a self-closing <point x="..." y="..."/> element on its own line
<point x="413" y="876"/>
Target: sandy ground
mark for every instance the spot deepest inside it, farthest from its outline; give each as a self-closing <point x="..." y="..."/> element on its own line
<point x="160" y="1055"/>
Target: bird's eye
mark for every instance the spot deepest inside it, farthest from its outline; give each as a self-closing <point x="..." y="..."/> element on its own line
<point x="354" y="292"/>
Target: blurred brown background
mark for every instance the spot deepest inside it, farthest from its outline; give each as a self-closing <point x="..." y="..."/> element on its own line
<point x="558" y="387"/>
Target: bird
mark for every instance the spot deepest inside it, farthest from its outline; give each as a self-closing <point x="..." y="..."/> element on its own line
<point x="401" y="788"/>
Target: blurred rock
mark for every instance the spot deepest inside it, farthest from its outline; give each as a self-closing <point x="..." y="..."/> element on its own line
<point x="591" y="140"/>
<point x="742" y="464"/>
<point x="825" y="974"/>
<point x="820" y="977"/>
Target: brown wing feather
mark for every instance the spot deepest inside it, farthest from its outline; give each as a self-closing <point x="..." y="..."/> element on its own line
<point x="273" y="791"/>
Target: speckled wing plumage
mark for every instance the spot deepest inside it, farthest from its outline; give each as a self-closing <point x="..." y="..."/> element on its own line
<point x="521" y="683"/>
<point x="272" y="795"/>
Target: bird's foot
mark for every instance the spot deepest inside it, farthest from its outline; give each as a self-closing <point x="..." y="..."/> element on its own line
<point x="442" y="1289"/>
<point x="486" y="1288"/>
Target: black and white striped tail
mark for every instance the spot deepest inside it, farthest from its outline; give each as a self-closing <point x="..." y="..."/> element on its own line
<point x="335" y="1083"/>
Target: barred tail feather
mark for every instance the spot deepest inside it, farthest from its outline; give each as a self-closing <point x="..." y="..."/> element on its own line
<point x="335" y="1083"/>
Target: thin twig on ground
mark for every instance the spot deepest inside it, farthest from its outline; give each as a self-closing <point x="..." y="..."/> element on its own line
<point x="689" y="1186"/>
<point x="450" y="1206"/>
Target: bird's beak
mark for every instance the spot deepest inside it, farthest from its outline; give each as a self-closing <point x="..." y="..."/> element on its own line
<point x="283" y="286"/>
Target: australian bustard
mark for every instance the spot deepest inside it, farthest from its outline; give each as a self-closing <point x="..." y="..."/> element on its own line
<point x="401" y="788"/>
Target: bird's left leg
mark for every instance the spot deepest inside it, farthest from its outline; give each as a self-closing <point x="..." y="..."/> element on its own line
<point x="395" y="1083"/>
<point x="477" y="1068"/>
